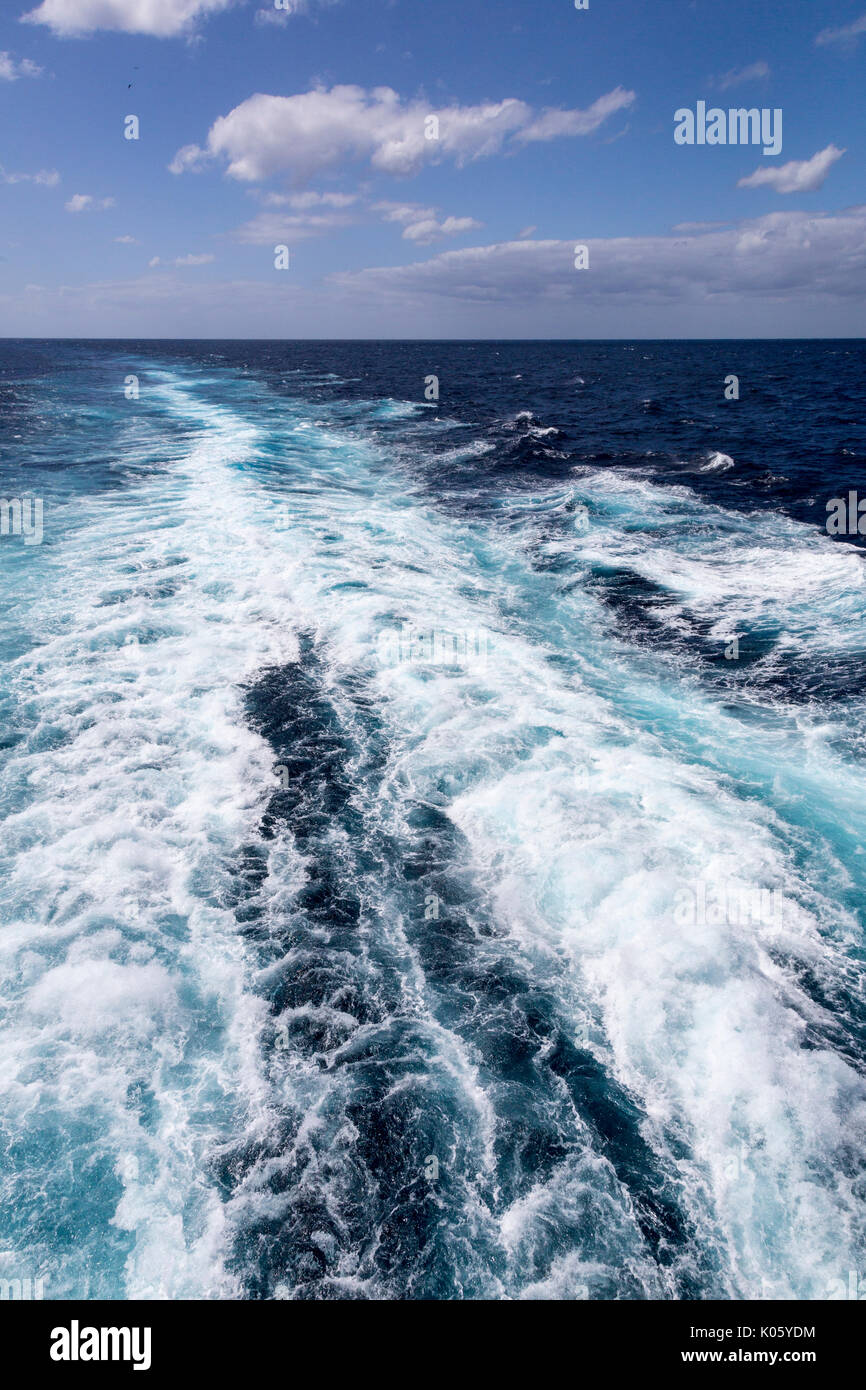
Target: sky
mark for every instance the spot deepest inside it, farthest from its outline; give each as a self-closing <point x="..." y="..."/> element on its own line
<point x="430" y="167"/>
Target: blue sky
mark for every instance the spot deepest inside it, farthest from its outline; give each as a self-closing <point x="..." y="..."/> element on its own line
<point x="259" y="127"/>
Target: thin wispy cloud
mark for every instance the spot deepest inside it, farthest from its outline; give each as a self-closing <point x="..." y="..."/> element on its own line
<point x="85" y="202"/>
<point x="48" y="178"/>
<point x="423" y="225"/>
<point x="10" y="70"/>
<point x="737" y="76"/>
<point x="180" y="261"/>
<point x="402" y="212"/>
<point x="317" y="214"/>
<point x="797" y="176"/>
<point x="428" y="229"/>
<point x="270" y="228"/>
<point x="306" y="200"/>
<point x="847" y="34"/>
<point x="698" y="226"/>
<point x="552" y="124"/>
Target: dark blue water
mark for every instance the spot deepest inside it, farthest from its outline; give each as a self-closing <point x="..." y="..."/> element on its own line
<point x="433" y="829"/>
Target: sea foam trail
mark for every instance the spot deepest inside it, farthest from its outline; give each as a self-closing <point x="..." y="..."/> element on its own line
<point x="624" y="1101"/>
<point x="129" y="1046"/>
<point x="586" y="804"/>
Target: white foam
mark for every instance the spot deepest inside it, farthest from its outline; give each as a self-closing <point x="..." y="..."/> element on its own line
<point x="580" y="820"/>
<point x="701" y="1026"/>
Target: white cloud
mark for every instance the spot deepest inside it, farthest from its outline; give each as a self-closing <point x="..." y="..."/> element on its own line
<point x="204" y="259"/>
<point x="288" y="10"/>
<point x="273" y="228"/>
<point x="849" y="33"/>
<point x="402" y="212"/>
<point x="48" y="178"/>
<point x="738" y="75"/>
<point x="10" y="71"/>
<point x="85" y="202"/>
<point x="699" y="226"/>
<point x="422" y="225"/>
<point x="784" y="254"/>
<point x="307" y="200"/>
<point x="127" y="240"/>
<point x="620" y="134"/>
<point x="789" y="274"/>
<point x="527" y="232"/>
<point x="428" y="229"/>
<point x="189" y="159"/>
<point x="159" y="18"/>
<point x="553" y="123"/>
<point x="316" y="214"/>
<point x="797" y="176"/>
<point x="320" y="129"/>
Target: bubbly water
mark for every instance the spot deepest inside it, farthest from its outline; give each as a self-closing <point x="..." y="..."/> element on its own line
<point x="433" y="845"/>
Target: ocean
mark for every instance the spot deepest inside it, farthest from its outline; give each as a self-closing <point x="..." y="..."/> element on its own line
<point x="432" y="825"/>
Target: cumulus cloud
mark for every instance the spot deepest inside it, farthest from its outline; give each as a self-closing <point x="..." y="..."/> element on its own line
<point x="323" y="128"/>
<point x="10" y="71"/>
<point x="189" y="159"/>
<point x="739" y="75"/>
<point x="797" y="176"/>
<point x="159" y="18"/>
<point x="49" y="178"/>
<point x="85" y="202"/>
<point x="788" y="254"/>
<point x="849" y="33"/>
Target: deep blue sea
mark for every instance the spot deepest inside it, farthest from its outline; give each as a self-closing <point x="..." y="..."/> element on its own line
<point x="433" y="842"/>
